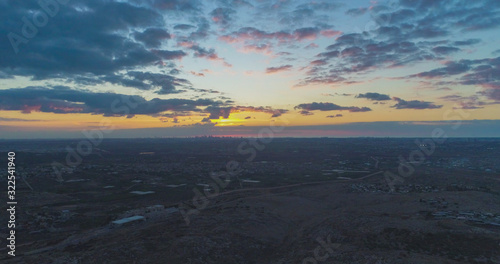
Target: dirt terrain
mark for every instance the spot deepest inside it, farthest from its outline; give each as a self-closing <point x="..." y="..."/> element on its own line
<point x="337" y="222"/>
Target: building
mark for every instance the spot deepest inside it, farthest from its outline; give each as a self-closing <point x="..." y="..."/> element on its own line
<point x="128" y="221"/>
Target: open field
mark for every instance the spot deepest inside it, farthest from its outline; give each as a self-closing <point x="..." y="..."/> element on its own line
<point x="298" y="201"/>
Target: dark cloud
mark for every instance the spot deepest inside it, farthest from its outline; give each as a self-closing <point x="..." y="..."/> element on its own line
<point x="374" y="96"/>
<point x="464" y="102"/>
<point x="152" y="37"/>
<point x="481" y="72"/>
<point x="89" y="43"/>
<point x="208" y="54"/>
<point x="356" y="11"/>
<point x="458" y="14"/>
<point x="222" y="16"/>
<point x="166" y="83"/>
<point x="467" y="42"/>
<point x="158" y="82"/>
<point x="333" y="116"/>
<point x="184" y="27"/>
<point x="218" y="112"/>
<point x="77" y="42"/>
<point x="241" y="3"/>
<point x="251" y="35"/>
<point x="353" y="54"/>
<point x="169" y="54"/>
<point x="176" y="5"/>
<point x="272" y="70"/>
<point x="202" y="30"/>
<point x="311" y="46"/>
<point x="7" y="119"/>
<point x="493" y="94"/>
<point x="311" y="12"/>
<point x="306" y="33"/>
<point x="403" y="34"/>
<point x="451" y="68"/>
<point x="261" y="109"/>
<point x="414" y="104"/>
<point x="442" y="50"/>
<point x="330" y="107"/>
<point x="224" y="112"/>
<point x="64" y="100"/>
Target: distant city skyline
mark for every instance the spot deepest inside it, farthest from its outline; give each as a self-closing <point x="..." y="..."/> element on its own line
<point x="171" y="68"/>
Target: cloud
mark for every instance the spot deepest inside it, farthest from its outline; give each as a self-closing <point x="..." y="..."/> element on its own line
<point x="374" y="96"/>
<point x="77" y="42"/>
<point x="260" y="48"/>
<point x="311" y="46"/>
<point x="309" y="33"/>
<point x="152" y="37"/>
<point x="333" y="116"/>
<point x="224" y="112"/>
<point x="451" y="68"/>
<point x="159" y="82"/>
<point x="251" y="35"/>
<point x="493" y="94"/>
<point x="466" y="102"/>
<point x="329" y="33"/>
<point x="305" y="113"/>
<point x="199" y="74"/>
<point x="414" y="104"/>
<point x="184" y="27"/>
<point x="208" y="54"/>
<point x="330" y="107"/>
<point x="261" y="109"/>
<point x="481" y="72"/>
<point x="8" y="119"/>
<point x="442" y="50"/>
<point x="336" y="94"/>
<point x="356" y="11"/>
<point x="63" y="100"/>
<point x="222" y="16"/>
<point x="272" y="70"/>
<point x="466" y="42"/>
<point x="169" y="54"/>
<point x="402" y="34"/>
<point x="176" y="5"/>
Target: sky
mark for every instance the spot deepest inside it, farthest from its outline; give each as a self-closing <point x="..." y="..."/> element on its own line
<point x="173" y="68"/>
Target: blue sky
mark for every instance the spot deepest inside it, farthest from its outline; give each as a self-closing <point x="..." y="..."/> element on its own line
<point x="227" y="66"/>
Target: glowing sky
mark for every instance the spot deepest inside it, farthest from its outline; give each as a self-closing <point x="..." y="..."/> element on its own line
<point x="230" y="67"/>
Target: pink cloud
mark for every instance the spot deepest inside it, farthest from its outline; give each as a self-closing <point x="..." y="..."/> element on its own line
<point x="273" y="70"/>
<point x="263" y="48"/>
<point x="330" y="33"/>
<point x="311" y="46"/>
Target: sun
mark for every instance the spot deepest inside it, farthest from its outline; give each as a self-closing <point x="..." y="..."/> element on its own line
<point x="229" y="122"/>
